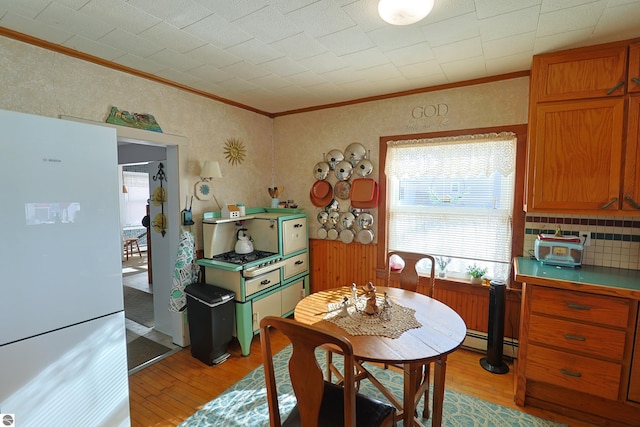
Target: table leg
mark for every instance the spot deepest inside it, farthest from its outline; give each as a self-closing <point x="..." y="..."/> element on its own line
<point x="412" y="376"/>
<point x="438" y="391"/>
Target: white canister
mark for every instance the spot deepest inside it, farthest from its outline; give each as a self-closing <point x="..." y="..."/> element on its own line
<point x="242" y="209"/>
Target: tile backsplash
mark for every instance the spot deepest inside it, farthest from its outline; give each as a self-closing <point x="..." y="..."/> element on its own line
<point x="615" y="241"/>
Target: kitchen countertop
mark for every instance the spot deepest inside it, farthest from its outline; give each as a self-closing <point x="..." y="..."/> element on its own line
<point x="588" y="278"/>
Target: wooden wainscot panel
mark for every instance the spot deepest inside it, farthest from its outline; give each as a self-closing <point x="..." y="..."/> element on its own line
<point x="335" y="264"/>
<point x="471" y="302"/>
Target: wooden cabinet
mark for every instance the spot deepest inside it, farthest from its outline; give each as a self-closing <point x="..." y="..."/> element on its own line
<point x="578" y="153"/>
<point x="575" y="354"/>
<point x="633" y="82"/>
<point x="577" y="340"/>
<point x="632" y="157"/>
<point x="583" y="131"/>
<point x="634" y="379"/>
<point x="580" y="74"/>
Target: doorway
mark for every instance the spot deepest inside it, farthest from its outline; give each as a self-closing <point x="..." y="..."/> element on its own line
<point x="140" y="146"/>
<point x="147" y="341"/>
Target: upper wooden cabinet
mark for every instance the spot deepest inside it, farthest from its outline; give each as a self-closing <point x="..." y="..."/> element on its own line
<point x="578" y="153"/>
<point x="633" y="82"/>
<point x="631" y="196"/>
<point x="582" y="150"/>
<point x="580" y="74"/>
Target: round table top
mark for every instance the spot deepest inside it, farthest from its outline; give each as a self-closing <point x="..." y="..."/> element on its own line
<point x="442" y="331"/>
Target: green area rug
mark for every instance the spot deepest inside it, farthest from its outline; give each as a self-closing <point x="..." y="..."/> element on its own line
<point x="245" y="403"/>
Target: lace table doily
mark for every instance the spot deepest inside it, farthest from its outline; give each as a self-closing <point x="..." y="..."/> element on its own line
<point x="357" y="322"/>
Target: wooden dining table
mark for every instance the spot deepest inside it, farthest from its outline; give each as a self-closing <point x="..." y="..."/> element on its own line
<point x="441" y="332"/>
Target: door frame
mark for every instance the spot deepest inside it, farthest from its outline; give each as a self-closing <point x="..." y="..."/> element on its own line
<point x="165" y="321"/>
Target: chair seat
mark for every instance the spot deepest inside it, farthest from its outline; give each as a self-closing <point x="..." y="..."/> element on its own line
<point x="369" y="411"/>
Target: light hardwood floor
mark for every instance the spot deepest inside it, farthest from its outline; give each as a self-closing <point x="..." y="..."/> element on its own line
<point x="169" y="391"/>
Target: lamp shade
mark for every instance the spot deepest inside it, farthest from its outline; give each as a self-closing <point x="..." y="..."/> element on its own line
<point x="210" y="169"/>
<point x="404" y="12"/>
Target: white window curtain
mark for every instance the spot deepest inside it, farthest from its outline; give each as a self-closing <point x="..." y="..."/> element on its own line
<point x="135" y="200"/>
<point x="453" y="197"/>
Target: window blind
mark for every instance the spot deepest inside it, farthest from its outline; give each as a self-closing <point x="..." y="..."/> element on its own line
<point x="453" y="197"/>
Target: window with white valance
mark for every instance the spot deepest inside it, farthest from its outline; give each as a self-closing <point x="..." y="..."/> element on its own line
<point x="453" y="197"/>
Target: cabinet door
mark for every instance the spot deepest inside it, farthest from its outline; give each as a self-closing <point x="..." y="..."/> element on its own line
<point x="577" y="153"/>
<point x="271" y="305"/>
<point x="633" y="83"/>
<point x="634" y="380"/>
<point x="294" y="235"/>
<point x="291" y="296"/>
<point x="631" y="196"/>
<point x="579" y="74"/>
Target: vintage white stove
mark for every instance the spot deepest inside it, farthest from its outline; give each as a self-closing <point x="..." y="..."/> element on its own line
<point x="268" y="281"/>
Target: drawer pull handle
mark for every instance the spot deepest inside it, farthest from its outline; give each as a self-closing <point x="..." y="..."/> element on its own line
<point x="265" y="282"/>
<point x="606" y="205"/>
<point x="632" y="202"/>
<point x="299" y="262"/>
<point x="578" y="306"/>
<point x="571" y="374"/>
<point x="635" y="80"/>
<point x="574" y="337"/>
<point x="613" y="89"/>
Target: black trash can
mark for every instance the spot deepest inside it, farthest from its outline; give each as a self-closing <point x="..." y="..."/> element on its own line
<point x="210" y="312"/>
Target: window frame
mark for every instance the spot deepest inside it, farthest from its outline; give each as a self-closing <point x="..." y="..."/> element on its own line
<point x="517" y="242"/>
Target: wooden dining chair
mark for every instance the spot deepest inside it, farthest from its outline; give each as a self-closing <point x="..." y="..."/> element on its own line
<point x="319" y="403"/>
<point x="409" y="279"/>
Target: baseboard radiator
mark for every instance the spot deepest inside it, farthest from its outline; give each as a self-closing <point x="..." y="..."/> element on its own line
<point x="476" y="340"/>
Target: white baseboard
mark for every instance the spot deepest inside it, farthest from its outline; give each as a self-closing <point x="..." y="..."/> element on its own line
<point x="476" y="340"/>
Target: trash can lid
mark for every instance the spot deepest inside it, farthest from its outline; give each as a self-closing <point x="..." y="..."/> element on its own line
<point x="208" y="293"/>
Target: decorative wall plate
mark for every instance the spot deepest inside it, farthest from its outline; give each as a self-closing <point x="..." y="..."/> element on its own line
<point x="159" y="196"/>
<point x="203" y="190"/>
<point x="342" y="189"/>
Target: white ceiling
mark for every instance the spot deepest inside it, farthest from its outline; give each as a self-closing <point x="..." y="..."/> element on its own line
<point x="280" y="55"/>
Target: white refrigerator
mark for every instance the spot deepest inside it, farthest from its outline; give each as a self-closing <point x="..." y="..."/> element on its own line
<point x="63" y="357"/>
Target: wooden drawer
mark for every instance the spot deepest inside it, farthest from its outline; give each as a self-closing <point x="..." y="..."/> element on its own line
<point x="263" y="282"/>
<point x="594" y="340"/>
<point x="296" y="265"/>
<point x="574" y="372"/>
<point x="599" y="309"/>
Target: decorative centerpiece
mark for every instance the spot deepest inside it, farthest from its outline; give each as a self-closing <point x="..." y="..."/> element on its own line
<point x="370" y="293"/>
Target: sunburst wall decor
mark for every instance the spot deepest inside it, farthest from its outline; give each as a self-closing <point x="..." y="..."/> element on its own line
<point x="234" y="151"/>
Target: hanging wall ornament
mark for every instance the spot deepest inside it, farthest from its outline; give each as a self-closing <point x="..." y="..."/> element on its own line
<point x="234" y="151"/>
<point x="159" y="197"/>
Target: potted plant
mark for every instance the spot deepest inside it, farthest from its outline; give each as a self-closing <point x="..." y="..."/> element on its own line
<point x="476" y="272"/>
<point x="442" y="263"/>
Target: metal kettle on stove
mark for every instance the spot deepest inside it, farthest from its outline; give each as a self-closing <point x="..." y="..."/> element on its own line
<point x="244" y="244"/>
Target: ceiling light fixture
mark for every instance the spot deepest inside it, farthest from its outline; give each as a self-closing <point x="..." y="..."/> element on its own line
<point x="404" y="12"/>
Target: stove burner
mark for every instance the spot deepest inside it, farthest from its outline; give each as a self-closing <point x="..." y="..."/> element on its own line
<point x="241" y="259"/>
